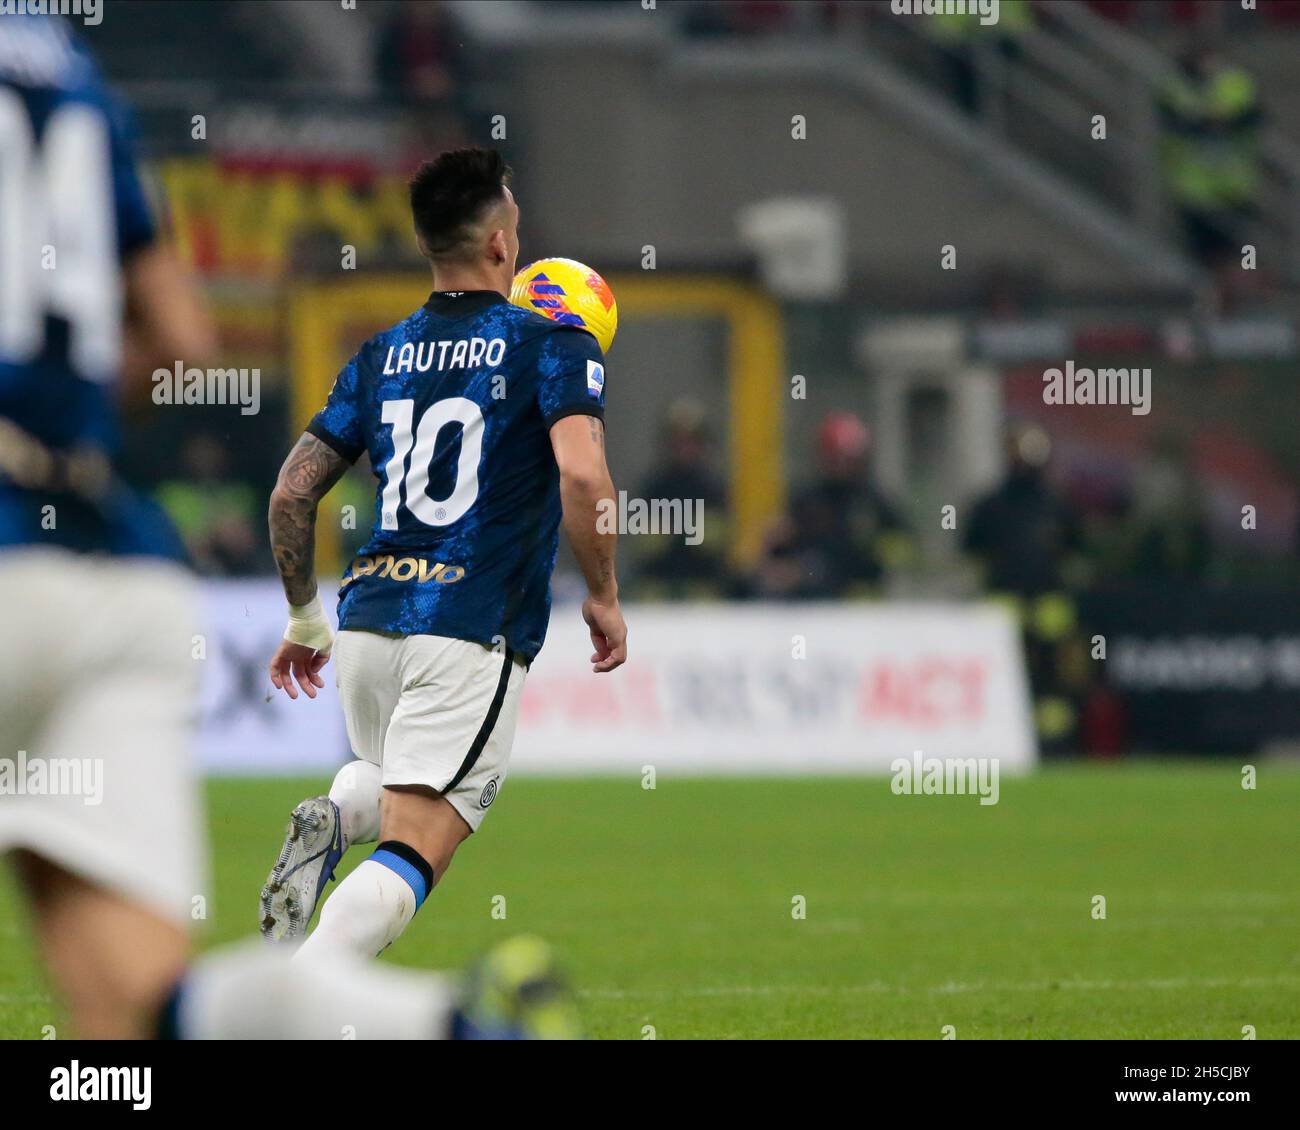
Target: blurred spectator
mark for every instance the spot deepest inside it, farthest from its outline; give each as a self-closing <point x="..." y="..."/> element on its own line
<point x="841" y="535"/>
<point x="1210" y="116"/>
<point x="356" y="489"/>
<point x="1023" y="530"/>
<point x="421" y="60"/>
<point x="741" y="17"/>
<point x="1168" y="532"/>
<point x="685" y="471"/>
<point x="971" y="49"/>
<point x="218" y="517"/>
<point x="419" y="56"/>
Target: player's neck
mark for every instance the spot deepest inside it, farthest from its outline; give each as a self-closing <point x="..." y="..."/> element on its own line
<point x="467" y="278"/>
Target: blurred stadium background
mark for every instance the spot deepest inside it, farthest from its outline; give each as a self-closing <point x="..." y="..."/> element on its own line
<point x="846" y="245"/>
<point x="657" y="145"/>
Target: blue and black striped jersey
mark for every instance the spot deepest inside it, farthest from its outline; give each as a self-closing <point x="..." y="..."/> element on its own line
<point x="454" y="406"/>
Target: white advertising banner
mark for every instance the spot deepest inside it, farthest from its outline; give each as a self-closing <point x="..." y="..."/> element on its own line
<point x="246" y="726"/>
<point x="741" y="688"/>
<point x="781" y="689"/>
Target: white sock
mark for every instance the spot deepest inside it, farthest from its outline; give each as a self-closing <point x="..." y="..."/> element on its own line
<point x="367" y="911"/>
<point x="356" y="791"/>
<point x="249" y="991"/>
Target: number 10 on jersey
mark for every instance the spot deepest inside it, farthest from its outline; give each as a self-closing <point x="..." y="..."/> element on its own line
<point x="419" y="442"/>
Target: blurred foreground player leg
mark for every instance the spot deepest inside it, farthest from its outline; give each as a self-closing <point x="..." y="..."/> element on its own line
<point x="484" y="424"/>
<point x="94" y="693"/>
<point x="251" y="991"/>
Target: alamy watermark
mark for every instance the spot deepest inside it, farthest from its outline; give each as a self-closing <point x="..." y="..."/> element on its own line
<point x="986" y="10"/>
<point x="945" y="776"/>
<point x="53" y="776"/>
<point x="1073" y="385"/>
<point x="78" y="1083"/>
<point x="179" y="385"/>
<point x="90" y="12"/>
<point x="683" y="517"/>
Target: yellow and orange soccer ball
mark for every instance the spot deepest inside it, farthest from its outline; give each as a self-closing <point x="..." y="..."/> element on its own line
<point x="570" y="293"/>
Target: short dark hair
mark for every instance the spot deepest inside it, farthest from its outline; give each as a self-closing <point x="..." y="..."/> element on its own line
<point x="451" y="192"/>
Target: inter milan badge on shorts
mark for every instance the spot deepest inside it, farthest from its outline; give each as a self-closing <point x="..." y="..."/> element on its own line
<point x="489" y="793"/>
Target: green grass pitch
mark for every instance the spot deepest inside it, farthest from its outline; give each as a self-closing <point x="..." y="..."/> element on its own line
<point x="673" y="908"/>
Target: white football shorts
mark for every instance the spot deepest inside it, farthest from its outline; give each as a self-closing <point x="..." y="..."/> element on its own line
<point x="98" y="693"/>
<point x="432" y="711"/>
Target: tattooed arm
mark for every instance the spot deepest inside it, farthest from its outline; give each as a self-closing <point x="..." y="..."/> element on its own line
<point x="313" y="467"/>
<point x="308" y="474"/>
<point x="587" y="496"/>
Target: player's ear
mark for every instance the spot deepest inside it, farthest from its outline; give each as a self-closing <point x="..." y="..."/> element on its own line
<point x="498" y="248"/>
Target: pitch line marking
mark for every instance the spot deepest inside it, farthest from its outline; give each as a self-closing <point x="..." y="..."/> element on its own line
<point x="949" y="988"/>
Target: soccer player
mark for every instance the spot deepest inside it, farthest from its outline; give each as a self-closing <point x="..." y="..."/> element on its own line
<point x="97" y="682"/>
<point x="484" y="426"/>
<point x="93" y="668"/>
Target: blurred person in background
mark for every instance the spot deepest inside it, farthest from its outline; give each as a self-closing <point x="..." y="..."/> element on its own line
<point x="1168" y="530"/>
<point x="841" y="535"/>
<point x="419" y="57"/>
<point x="1210" y="117"/>
<point x="216" y="513"/>
<point x="1024" y="534"/>
<point x="740" y="17"/>
<point x="969" y="48"/>
<point x="684" y="470"/>
<point x="1023" y="530"/>
<point x="355" y="490"/>
<point x="420" y="61"/>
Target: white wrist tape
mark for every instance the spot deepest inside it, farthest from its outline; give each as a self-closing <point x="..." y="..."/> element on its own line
<point x="309" y="627"/>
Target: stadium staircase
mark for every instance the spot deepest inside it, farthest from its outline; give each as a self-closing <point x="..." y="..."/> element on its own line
<point x="1072" y="64"/>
